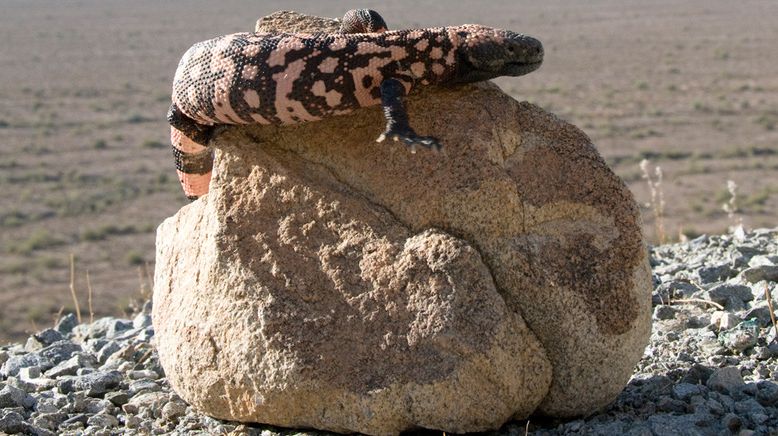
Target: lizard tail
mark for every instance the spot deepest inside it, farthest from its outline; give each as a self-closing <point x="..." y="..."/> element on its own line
<point x="194" y="164"/>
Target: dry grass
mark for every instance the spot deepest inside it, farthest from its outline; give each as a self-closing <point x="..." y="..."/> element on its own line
<point x="89" y="299"/>
<point x="73" y="286"/>
<point x="657" y="201"/>
<point x="769" y="299"/>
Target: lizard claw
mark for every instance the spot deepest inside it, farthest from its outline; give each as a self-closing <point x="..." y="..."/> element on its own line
<point x="411" y="140"/>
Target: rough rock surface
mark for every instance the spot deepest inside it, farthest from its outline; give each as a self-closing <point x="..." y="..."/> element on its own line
<point x="331" y="282"/>
<point x="689" y="381"/>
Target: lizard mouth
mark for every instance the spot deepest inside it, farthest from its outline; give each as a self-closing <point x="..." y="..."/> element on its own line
<point x="520" y="68"/>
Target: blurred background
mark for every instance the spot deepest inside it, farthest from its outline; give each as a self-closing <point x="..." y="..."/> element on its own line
<point x="689" y="89"/>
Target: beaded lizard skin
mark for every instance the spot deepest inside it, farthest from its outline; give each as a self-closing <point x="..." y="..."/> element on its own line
<point x="265" y="78"/>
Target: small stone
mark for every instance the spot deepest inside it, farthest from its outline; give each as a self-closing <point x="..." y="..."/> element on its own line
<point x="749" y="388"/>
<point x="11" y="422"/>
<point x="726" y="379"/>
<point x="14" y="363"/>
<point x="760" y="313"/>
<point x="749" y="406"/>
<point x="20" y="384"/>
<point x="66" y="324"/>
<point x="95" y="384"/>
<point x="11" y="396"/>
<point x="146" y="401"/>
<point x="667" y="404"/>
<point x="30" y="372"/>
<point x="759" y="418"/>
<point x="142" y="320"/>
<point x="684" y="391"/>
<point x="132" y="421"/>
<point x="674" y="289"/>
<point x="702" y="418"/>
<point x="721" y="293"/>
<point x="173" y="410"/>
<point x="78" y="418"/>
<point x="44" y="405"/>
<point x="94" y="346"/>
<point x="85" y="371"/>
<point x="763" y="260"/>
<point x="77" y="401"/>
<point x="761" y="272"/>
<point x="48" y="421"/>
<point x="767" y="394"/>
<point x="716" y="273"/>
<point x="48" y="337"/>
<point x="32" y="385"/>
<point x="130" y="408"/>
<point x="71" y="366"/>
<point x="118" y="398"/>
<point x="664" y="312"/>
<point x="95" y="406"/>
<point x="742" y="337"/>
<point x="722" y="320"/>
<point x="32" y="344"/>
<point x="38" y="431"/>
<point x="142" y="374"/>
<point x="125" y="366"/>
<point x="669" y="424"/>
<point x="141" y="386"/>
<point x="715" y="407"/>
<point x="108" y="327"/>
<point x="732" y="422"/>
<point x="107" y="350"/>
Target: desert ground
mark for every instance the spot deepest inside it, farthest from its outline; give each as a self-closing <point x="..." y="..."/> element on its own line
<point x="86" y="170"/>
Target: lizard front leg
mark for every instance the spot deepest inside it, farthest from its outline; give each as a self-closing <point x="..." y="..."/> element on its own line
<point x="397" y="126"/>
<point x="193" y="159"/>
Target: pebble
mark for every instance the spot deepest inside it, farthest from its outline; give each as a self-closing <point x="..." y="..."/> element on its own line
<point x="761" y="272"/>
<point x="173" y="410"/>
<point x="11" y="422"/>
<point x="71" y="366"/>
<point x="760" y="313"/>
<point x="726" y="379"/>
<point x="664" y="312"/>
<point x="11" y="396"/>
<point x="66" y="324"/>
<point x="118" y="398"/>
<point x="107" y="350"/>
<point x="705" y="370"/>
<point x="142" y="374"/>
<point x="740" y="338"/>
<point x="725" y="291"/>
<point x="94" y="384"/>
<point x="102" y="420"/>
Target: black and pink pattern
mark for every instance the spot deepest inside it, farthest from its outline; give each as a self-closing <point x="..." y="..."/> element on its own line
<point x="260" y="78"/>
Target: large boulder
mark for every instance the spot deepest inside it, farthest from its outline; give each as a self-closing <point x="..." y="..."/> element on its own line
<point x="327" y="281"/>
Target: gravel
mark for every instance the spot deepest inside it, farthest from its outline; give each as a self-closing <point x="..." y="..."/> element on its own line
<point x="711" y="367"/>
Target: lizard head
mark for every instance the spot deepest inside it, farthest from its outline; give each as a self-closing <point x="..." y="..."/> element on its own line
<point x="485" y="53"/>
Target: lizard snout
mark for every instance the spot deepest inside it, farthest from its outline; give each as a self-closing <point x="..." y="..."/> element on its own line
<point x="525" y="49"/>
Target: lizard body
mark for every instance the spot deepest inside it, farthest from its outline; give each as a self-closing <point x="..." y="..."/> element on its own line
<point x="263" y="78"/>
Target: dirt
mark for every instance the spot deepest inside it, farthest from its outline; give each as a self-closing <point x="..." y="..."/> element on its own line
<point x="85" y="166"/>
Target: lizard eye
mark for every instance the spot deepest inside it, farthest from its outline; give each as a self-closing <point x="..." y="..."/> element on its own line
<point x="510" y="49"/>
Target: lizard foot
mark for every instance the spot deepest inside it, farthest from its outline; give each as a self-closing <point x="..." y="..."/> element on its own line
<point x="412" y="140"/>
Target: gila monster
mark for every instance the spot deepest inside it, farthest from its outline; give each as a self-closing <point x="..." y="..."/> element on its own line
<point x="266" y="78"/>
